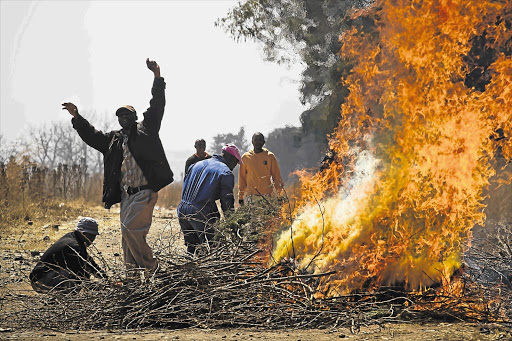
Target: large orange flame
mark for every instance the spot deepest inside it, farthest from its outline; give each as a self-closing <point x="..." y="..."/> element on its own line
<point x="413" y="148"/>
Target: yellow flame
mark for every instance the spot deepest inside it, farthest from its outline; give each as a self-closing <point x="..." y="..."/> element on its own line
<point x="417" y="142"/>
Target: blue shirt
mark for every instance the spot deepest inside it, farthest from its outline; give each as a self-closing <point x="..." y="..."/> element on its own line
<point x="206" y="181"/>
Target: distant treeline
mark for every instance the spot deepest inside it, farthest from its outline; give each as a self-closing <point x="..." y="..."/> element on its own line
<point x="25" y="180"/>
<point x="51" y="162"/>
<point x="294" y="150"/>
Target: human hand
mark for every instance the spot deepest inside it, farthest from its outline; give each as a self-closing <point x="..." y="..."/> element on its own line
<point x="153" y="66"/>
<point x="71" y="108"/>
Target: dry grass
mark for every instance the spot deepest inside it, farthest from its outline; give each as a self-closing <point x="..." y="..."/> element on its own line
<point x="34" y="200"/>
<point x="33" y="196"/>
<point x="34" y="225"/>
<point x="170" y="196"/>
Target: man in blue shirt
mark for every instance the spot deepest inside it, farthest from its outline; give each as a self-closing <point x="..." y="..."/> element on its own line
<point x="206" y="181"/>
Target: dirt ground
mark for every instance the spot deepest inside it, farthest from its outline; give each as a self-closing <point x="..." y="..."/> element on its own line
<point x="19" y="253"/>
<point x="401" y="332"/>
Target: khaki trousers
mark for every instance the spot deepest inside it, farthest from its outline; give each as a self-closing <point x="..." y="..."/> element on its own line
<point x="136" y="217"/>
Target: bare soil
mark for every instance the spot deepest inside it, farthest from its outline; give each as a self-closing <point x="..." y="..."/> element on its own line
<point x="402" y="332"/>
<point x="16" y="261"/>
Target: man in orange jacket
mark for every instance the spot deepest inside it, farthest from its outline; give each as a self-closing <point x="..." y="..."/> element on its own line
<point x="259" y="172"/>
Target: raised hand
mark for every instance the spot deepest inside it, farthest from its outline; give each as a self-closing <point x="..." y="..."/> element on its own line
<point x="153" y="66"/>
<point x="73" y="110"/>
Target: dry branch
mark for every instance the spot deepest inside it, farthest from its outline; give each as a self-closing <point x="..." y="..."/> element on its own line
<point x="231" y="286"/>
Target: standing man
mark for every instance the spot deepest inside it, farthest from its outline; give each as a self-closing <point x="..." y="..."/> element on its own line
<point x="207" y="181"/>
<point x="66" y="263"/>
<point x="259" y="173"/>
<point x="135" y="168"/>
<point x="200" y="154"/>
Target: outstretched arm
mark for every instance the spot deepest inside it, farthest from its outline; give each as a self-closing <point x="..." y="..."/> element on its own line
<point x="153" y="66"/>
<point x="71" y="108"/>
<point x="94" y="138"/>
<point x="153" y="115"/>
<point x="94" y="269"/>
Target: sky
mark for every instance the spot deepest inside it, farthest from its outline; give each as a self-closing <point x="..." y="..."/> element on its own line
<point x="93" y="54"/>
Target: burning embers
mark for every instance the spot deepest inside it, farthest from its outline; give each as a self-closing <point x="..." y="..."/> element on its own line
<point x="414" y="138"/>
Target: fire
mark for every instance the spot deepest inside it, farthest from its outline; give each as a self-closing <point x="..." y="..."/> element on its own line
<point x="413" y="147"/>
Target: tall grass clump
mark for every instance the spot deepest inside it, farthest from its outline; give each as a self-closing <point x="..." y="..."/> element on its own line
<point x="30" y="193"/>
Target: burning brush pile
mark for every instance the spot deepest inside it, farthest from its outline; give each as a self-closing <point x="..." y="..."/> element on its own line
<point x="233" y="285"/>
<point x="410" y="219"/>
<point x="424" y="136"/>
<point x="229" y="286"/>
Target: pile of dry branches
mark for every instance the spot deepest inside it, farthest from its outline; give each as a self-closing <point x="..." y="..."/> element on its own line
<point x="232" y="286"/>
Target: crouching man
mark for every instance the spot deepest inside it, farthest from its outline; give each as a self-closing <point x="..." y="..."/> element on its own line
<point x="66" y="263"/>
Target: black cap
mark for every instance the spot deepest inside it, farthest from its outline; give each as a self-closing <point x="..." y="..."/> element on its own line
<point x="127" y="108"/>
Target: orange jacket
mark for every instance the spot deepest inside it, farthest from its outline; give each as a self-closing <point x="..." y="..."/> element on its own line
<point x="259" y="174"/>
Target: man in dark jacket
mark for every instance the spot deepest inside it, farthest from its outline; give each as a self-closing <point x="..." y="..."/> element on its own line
<point x="135" y="168"/>
<point x="205" y="182"/>
<point x="66" y="263"/>
<point x="200" y="154"/>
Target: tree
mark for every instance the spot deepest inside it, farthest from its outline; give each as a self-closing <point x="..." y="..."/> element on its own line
<point x="293" y="150"/>
<point x="304" y="31"/>
<point x="8" y="149"/>
<point x="238" y="139"/>
<point x="52" y="160"/>
<point x="52" y="143"/>
<point x="4" y="150"/>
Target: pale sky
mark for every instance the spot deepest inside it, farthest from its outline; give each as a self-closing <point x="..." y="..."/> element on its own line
<point x="93" y="53"/>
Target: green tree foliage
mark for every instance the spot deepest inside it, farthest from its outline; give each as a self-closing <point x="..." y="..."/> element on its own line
<point x="305" y="31"/>
<point x="238" y="139"/>
<point x="293" y="150"/>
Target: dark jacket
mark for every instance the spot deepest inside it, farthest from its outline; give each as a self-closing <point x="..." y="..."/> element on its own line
<point x="144" y="144"/>
<point x="193" y="159"/>
<point x="65" y="261"/>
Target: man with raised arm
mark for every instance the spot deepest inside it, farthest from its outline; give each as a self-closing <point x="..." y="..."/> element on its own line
<point x="135" y="168"/>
